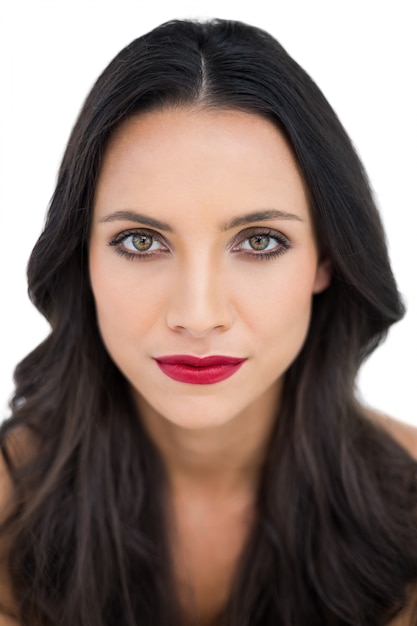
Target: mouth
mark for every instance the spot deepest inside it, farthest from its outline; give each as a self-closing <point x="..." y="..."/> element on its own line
<point x="199" y="371"/>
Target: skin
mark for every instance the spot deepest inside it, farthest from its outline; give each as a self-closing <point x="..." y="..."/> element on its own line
<point x="202" y="289"/>
<point x="196" y="170"/>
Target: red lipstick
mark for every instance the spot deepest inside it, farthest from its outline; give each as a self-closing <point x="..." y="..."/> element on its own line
<point x="191" y="369"/>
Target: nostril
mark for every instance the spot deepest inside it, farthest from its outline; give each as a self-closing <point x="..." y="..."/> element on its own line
<point x="199" y="321"/>
<point x="199" y="301"/>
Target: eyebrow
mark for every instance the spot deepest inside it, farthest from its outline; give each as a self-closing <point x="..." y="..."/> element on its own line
<point x="132" y="216"/>
<point x="260" y="216"/>
<point x="257" y="216"/>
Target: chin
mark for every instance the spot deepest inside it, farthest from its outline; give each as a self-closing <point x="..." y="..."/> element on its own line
<point x="196" y="424"/>
<point x="192" y="414"/>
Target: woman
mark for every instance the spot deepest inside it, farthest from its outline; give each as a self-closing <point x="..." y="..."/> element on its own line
<point x="186" y="447"/>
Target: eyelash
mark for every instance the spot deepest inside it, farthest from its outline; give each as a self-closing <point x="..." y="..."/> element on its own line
<point x="283" y="244"/>
<point x="117" y="242"/>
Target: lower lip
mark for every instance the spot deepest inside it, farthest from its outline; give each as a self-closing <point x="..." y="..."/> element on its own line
<point x="199" y="375"/>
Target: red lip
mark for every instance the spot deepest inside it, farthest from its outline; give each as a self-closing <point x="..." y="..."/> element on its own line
<point x="199" y="371"/>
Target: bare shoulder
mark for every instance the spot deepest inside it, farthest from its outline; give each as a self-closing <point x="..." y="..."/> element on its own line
<point x="6" y="489"/>
<point x="403" y="433"/>
<point x="408" y="616"/>
<point x="406" y="436"/>
<point x="6" y="503"/>
<point x="18" y="448"/>
<point x="11" y="621"/>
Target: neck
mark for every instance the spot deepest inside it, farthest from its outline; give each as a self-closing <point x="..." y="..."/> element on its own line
<point x="223" y="460"/>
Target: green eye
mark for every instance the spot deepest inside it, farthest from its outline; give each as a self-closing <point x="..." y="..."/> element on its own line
<point x="139" y="244"/>
<point x="142" y="243"/>
<point x="259" y="242"/>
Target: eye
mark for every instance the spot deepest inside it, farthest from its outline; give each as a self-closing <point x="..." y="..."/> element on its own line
<point x="141" y="243"/>
<point x="261" y="243"/>
<point x="138" y="243"/>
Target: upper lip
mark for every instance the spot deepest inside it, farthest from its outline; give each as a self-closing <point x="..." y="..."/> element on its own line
<point x="195" y="361"/>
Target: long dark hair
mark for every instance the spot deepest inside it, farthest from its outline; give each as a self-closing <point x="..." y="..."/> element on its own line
<point x="334" y="541"/>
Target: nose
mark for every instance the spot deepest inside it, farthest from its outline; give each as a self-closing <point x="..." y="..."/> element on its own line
<point x="199" y="300"/>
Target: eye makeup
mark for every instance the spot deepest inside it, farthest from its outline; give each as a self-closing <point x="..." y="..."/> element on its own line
<point x="260" y="243"/>
<point x="252" y="243"/>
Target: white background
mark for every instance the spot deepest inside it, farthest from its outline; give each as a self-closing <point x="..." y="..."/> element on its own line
<point x="362" y="53"/>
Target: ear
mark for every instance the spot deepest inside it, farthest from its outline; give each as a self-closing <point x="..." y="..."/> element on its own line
<point x="323" y="275"/>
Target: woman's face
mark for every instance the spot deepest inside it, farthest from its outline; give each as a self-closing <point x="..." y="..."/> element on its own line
<point x="202" y="245"/>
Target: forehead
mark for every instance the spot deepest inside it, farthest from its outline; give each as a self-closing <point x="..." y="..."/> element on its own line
<point x="208" y="159"/>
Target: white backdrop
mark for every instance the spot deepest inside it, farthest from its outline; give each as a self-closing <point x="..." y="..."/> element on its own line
<point x="362" y="53"/>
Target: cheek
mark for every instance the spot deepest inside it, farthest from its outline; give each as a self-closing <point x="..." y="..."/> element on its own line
<point x="286" y="331"/>
<point x="287" y="316"/>
<point x="125" y="304"/>
<point x="280" y="298"/>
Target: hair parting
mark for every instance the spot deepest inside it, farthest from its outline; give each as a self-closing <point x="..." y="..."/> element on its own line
<point x="335" y="538"/>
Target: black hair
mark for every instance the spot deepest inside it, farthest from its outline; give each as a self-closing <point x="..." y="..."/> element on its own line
<point x="334" y="540"/>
